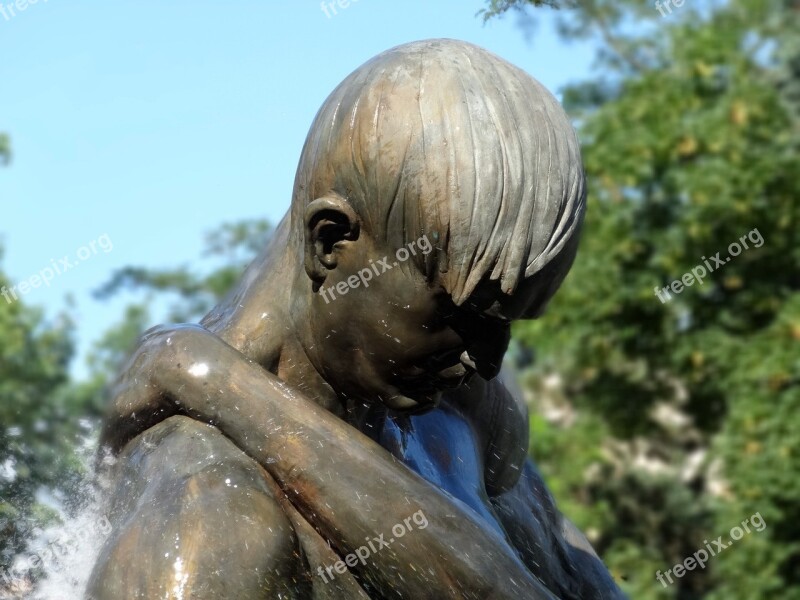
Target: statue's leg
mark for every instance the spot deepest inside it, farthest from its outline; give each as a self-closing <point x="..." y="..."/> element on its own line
<point x="194" y="517"/>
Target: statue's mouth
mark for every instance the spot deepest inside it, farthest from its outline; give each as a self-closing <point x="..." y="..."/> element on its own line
<point x="445" y="371"/>
<point x="453" y="377"/>
<point x="422" y="390"/>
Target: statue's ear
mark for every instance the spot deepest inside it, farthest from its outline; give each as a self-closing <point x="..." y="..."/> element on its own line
<point x="329" y="222"/>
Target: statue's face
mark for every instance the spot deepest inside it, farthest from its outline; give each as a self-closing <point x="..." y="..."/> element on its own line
<point x="401" y="340"/>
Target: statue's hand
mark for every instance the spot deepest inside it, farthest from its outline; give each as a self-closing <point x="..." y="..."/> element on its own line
<point x="149" y="388"/>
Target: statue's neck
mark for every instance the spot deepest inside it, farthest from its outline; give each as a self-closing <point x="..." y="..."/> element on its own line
<point x="253" y="316"/>
<point x="258" y="319"/>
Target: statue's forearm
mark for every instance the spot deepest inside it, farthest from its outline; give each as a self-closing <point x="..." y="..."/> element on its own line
<point x="343" y="482"/>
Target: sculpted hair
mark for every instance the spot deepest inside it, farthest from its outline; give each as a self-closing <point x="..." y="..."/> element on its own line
<point x="444" y="139"/>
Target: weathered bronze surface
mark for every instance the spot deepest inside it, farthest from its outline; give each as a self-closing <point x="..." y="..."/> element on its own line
<point x="337" y="428"/>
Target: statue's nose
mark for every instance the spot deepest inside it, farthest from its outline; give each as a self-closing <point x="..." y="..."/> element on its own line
<point x="486" y="355"/>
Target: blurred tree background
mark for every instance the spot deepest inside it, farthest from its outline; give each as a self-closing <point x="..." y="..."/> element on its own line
<point x="662" y="425"/>
<point x="658" y="425"/>
<point x="4" y="149"/>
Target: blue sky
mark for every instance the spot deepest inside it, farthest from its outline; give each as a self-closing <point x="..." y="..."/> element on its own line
<point x="151" y="122"/>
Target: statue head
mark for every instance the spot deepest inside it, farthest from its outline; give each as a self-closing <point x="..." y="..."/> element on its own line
<point x="443" y="145"/>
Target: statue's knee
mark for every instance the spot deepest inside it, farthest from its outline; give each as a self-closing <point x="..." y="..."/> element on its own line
<point x="190" y="504"/>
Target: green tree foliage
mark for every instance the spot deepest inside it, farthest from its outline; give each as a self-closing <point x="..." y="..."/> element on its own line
<point x="45" y="418"/>
<point x="41" y="418"/>
<point x="688" y="410"/>
<point x="228" y="251"/>
<point x="37" y="430"/>
<point x="500" y="7"/>
<point x="5" y="149"/>
<point x="229" y="248"/>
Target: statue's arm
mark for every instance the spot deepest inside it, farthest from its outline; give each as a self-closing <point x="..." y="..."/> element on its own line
<point x="552" y="547"/>
<point x="345" y="484"/>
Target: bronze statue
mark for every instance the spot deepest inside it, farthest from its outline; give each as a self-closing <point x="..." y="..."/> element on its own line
<point x="338" y="428"/>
